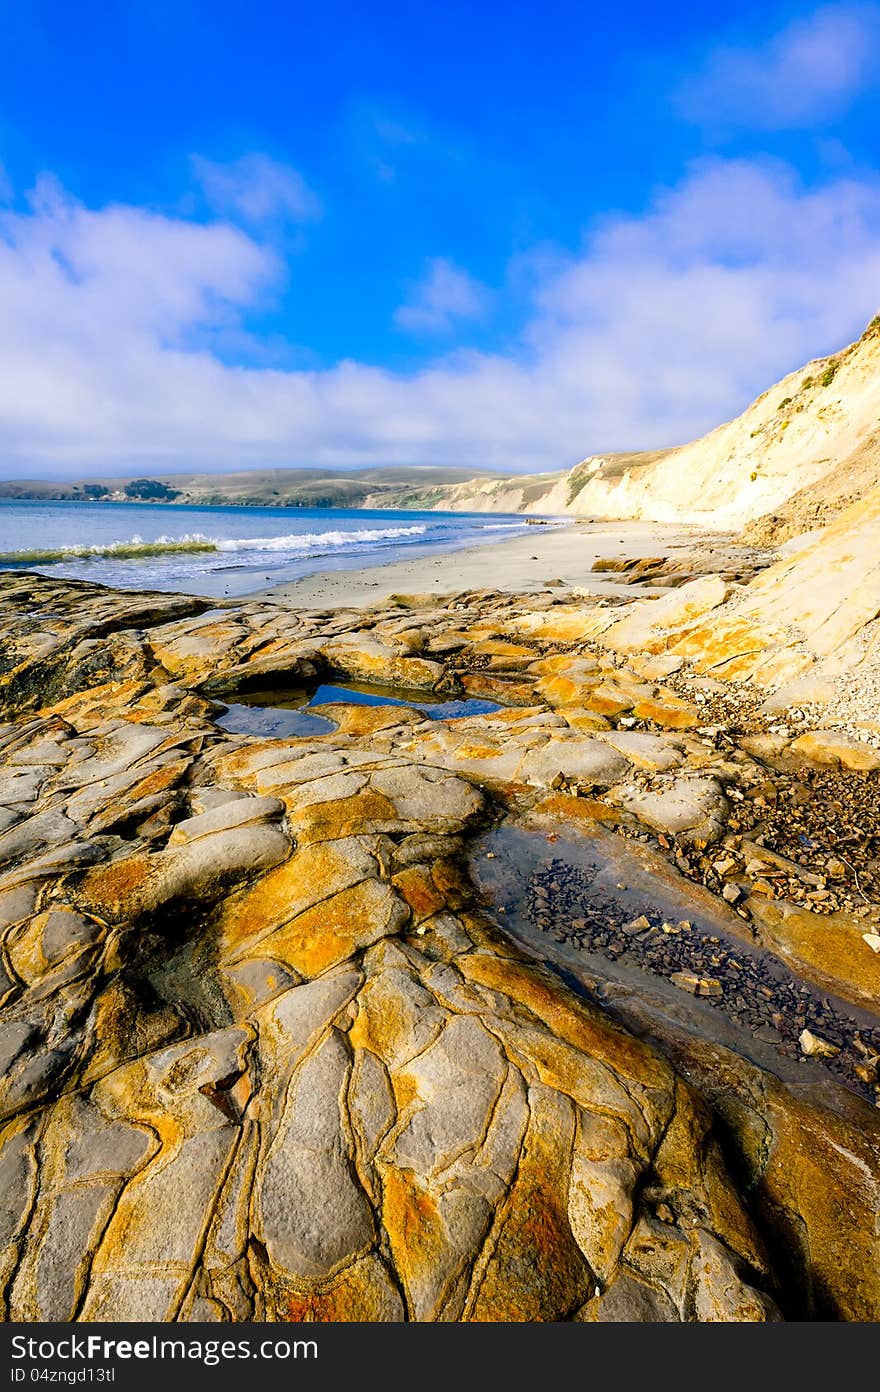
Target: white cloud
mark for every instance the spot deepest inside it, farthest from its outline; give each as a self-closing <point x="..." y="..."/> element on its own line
<point x="257" y="189"/>
<point x="809" y="71"/>
<point x="446" y="295"/>
<point x="661" y="327"/>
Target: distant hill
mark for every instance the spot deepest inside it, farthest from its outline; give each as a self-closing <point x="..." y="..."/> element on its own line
<point x="395" y="487"/>
<point x="801" y="453"/>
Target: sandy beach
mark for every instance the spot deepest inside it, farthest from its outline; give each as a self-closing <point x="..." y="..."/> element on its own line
<point x="544" y="555"/>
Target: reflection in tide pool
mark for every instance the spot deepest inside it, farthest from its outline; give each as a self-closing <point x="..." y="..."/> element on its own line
<point x="286" y="714"/>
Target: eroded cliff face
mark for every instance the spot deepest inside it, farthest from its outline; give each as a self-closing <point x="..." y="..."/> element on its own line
<point x="267" y="1055"/>
<point x="797" y="456"/>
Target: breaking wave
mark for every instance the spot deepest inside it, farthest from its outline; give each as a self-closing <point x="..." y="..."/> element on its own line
<point x="138" y="549"/>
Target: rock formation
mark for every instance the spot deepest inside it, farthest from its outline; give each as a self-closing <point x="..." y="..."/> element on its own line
<point x="791" y="462"/>
<point x="270" y="1054"/>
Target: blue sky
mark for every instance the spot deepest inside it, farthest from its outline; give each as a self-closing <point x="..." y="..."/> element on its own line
<point x="496" y="235"/>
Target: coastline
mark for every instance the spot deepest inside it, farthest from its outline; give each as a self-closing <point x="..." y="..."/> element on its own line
<point x="201" y="552"/>
<point x="515" y="565"/>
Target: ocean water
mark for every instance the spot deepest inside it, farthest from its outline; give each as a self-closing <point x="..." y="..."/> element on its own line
<point x="219" y="551"/>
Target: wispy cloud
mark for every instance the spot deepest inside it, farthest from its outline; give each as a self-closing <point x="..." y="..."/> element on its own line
<point x="665" y="324"/>
<point x="446" y="295"/>
<point x="396" y="133"/>
<point x="385" y="140"/>
<point x="806" y="73"/>
<point x="257" y="190"/>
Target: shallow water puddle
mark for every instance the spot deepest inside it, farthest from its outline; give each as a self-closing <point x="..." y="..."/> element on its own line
<point x="615" y="921"/>
<point x="273" y="722"/>
<point x="284" y="714"/>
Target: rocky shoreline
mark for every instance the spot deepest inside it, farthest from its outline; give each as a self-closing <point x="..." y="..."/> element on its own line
<point x="269" y="1050"/>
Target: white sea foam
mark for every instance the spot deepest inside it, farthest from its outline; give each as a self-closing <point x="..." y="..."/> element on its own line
<point x="311" y="541"/>
<point x="136" y="548"/>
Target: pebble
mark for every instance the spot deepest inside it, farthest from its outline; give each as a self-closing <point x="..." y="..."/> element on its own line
<point x="709" y="986"/>
<point x="565" y="902"/>
<point x="868" y="1071"/>
<point x="815" y="1047"/>
<point x="723" y="867"/>
<point x="767" y="1034"/>
<point x="637" y="925"/>
<point x="685" y="981"/>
